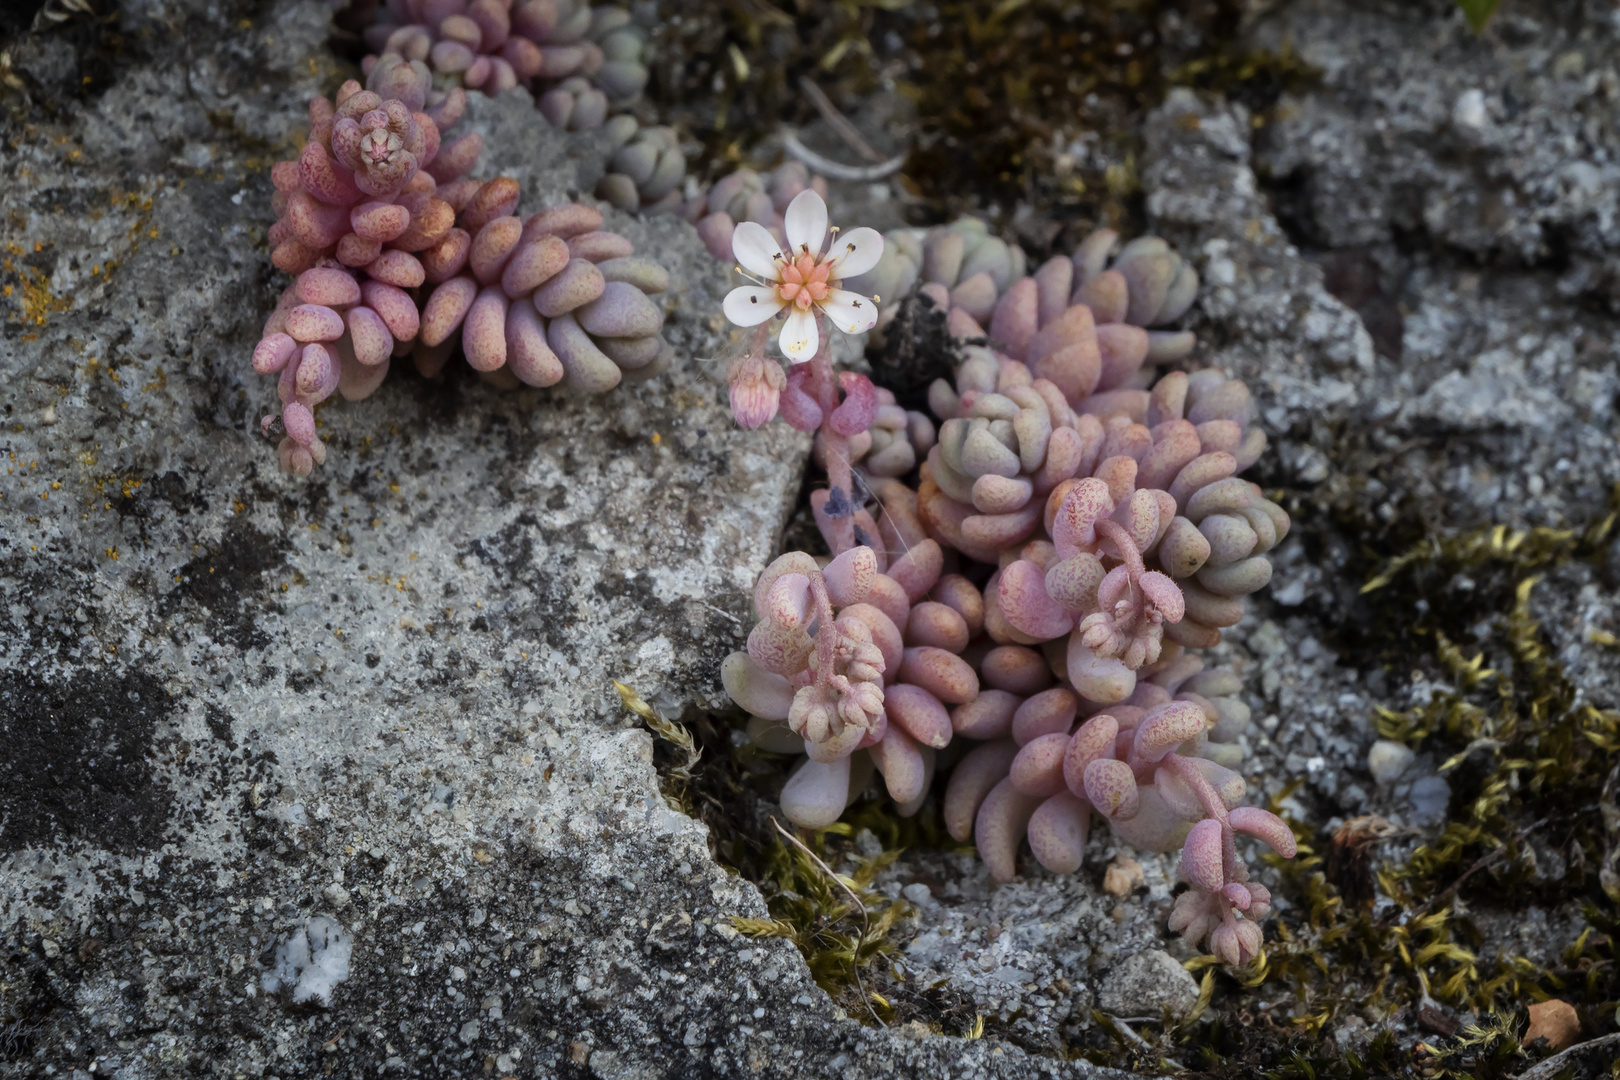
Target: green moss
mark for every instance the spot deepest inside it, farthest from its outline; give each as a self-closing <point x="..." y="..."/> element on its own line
<point x="1526" y="759"/>
<point x="1478" y="12"/>
<point x="838" y="937"/>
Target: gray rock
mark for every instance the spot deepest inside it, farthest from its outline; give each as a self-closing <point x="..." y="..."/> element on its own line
<point x="1502" y="144"/>
<point x="1148" y="983"/>
<point x="243" y="711"/>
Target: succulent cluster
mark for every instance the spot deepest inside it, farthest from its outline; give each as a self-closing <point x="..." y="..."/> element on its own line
<point x="581" y="60"/>
<point x="966" y="272"/>
<point x="1075" y="531"/>
<point x="646" y="169"/>
<point x="539" y="300"/>
<point x="395" y="254"/>
<point x="354" y="211"/>
<point x="897" y="440"/>
<point x="745" y="195"/>
<point x="965" y="268"/>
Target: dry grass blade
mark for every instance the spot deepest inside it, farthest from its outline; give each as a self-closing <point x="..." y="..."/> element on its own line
<point x="866" y="922"/>
<point x="1450" y="890"/>
<point x="665" y="729"/>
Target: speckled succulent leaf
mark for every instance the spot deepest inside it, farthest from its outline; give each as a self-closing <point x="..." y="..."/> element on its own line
<point x="1165" y="727"/>
<point x="1110" y="786"/>
<point x="1201" y="858"/>
<point x="850" y="576"/>
<point x="1266" y="826"/>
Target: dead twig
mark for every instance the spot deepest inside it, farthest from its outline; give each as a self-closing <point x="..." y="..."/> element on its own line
<point x="1556" y="1064"/>
<point x="836" y="170"/>
<point x="866" y="920"/>
<point x="1482" y="863"/>
<point x="667" y="730"/>
<point x="837" y="120"/>
<point x="1125" y="1029"/>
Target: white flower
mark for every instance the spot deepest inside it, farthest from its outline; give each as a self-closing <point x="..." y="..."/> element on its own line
<point x="806" y="281"/>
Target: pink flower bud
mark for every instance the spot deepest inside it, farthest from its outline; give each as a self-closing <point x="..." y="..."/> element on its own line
<point x="756" y="390"/>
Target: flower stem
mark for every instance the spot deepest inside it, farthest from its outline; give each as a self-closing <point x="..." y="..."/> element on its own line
<point x="841" y="530"/>
<point x="826" y="635"/>
<point x="1213" y="808"/>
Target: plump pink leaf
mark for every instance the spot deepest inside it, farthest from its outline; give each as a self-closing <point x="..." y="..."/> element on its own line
<point x="981" y="769"/>
<point x="1021" y="594"/>
<point x="1111" y="788"/>
<point x="1094" y="740"/>
<point x="1166" y="726"/>
<point x="1058" y="831"/>
<point x="850" y="577"/>
<point x="1201" y="856"/>
<point x="1267" y="826"/>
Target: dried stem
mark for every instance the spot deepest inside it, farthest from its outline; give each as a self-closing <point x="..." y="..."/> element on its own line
<point x="837" y="120"/>
<point x="866" y="920"/>
<point x="839" y="472"/>
<point x="1560" y="1061"/>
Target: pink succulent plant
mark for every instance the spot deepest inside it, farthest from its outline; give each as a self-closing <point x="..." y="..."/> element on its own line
<point x="579" y="60"/>
<point x="1075" y="531"/>
<point x="396" y="254"/>
<point x="354" y="210"/>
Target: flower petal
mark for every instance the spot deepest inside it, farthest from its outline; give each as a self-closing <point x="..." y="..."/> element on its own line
<point x="850" y="311"/>
<point x="757" y="250"/>
<point x="800" y="337"/>
<point x="806" y="222"/>
<point x="750" y="305"/>
<point x="856" y="252"/>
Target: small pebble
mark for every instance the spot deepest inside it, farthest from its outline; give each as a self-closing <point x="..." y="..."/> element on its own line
<point x="1388" y="761"/>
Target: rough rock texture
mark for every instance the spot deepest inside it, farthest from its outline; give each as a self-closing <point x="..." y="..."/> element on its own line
<point x="1499" y="145"/>
<point x="1149" y="982"/>
<point x="269" y="742"/>
<point x="1460" y="192"/>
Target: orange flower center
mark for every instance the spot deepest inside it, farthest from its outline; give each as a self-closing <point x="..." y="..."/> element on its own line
<point x="804" y="281"/>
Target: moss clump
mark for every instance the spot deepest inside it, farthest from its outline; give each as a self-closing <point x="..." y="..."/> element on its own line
<point x="1382" y="927"/>
<point x="841" y="926"/>
<point x="847" y="941"/>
